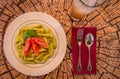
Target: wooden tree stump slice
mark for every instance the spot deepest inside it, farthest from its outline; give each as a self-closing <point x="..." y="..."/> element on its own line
<point x="106" y="18"/>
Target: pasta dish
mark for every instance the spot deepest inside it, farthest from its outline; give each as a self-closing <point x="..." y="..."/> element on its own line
<point x="35" y="44"/>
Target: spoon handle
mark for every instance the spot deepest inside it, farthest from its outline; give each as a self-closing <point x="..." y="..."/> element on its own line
<point x="89" y="61"/>
<point x="79" y="66"/>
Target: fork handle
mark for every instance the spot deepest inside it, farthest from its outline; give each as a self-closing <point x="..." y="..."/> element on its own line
<point x="79" y="66"/>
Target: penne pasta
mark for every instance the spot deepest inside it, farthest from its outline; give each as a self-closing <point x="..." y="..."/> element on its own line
<point x="44" y="53"/>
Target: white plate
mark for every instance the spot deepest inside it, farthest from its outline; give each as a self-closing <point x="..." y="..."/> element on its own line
<point x="34" y="18"/>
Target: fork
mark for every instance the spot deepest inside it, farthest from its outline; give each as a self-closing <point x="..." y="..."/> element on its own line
<point x="79" y="41"/>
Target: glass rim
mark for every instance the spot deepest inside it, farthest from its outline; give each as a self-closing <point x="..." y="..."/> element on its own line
<point x="94" y="5"/>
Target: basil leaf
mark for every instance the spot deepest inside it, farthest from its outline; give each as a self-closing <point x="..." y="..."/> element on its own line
<point x="29" y="33"/>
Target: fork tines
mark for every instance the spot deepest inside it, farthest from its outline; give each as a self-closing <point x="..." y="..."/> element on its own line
<point x="80" y="34"/>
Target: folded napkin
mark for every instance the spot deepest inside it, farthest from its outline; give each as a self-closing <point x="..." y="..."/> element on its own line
<point x="84" y="51"/>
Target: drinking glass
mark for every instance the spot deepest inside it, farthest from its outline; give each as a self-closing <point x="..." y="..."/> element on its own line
<point x="80" y="8"/>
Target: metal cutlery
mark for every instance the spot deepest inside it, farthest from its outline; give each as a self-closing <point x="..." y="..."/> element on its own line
<point x="79" y="41"/>
<point x="89" y="40"/>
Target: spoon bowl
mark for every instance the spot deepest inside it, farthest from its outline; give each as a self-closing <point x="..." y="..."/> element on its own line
<point x="89" y="39"/>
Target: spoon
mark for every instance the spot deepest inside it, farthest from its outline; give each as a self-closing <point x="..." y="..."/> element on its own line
<point x="89" y="40"/>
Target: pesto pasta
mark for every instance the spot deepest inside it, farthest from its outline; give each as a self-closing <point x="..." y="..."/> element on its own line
<point x="44" y="53"/>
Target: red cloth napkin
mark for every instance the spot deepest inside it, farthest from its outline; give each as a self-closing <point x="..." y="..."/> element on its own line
<point x="84" y="51"/>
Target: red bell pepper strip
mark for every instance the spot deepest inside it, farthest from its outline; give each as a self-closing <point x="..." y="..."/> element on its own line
<point x="27" y="46"/>
<point x="40" y="41"/>
<point x="35" y="47"/>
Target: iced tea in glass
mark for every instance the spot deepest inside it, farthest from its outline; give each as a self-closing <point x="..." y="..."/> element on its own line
<point x="80" y="8"/>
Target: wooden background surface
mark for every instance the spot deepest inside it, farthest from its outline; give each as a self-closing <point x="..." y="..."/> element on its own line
<point x="106" y="18"/>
